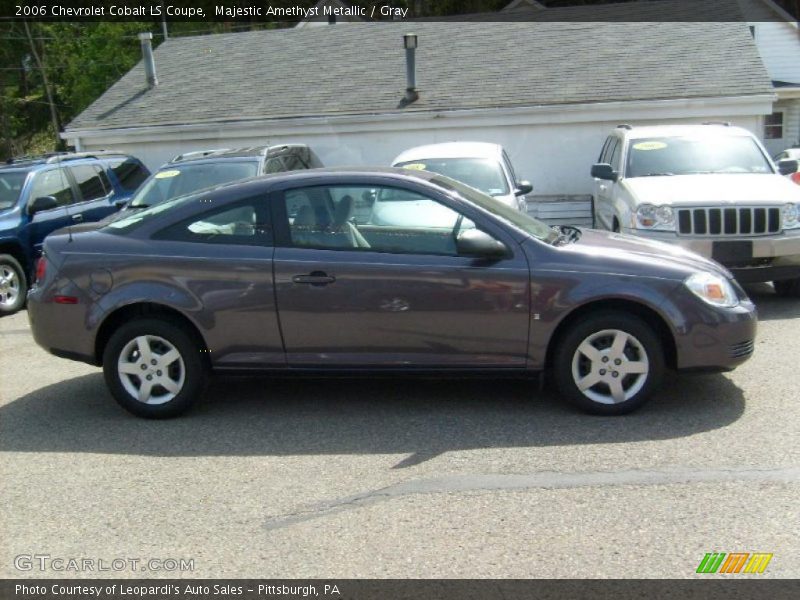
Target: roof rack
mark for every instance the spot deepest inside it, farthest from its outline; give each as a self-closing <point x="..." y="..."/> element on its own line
<point x="723" y="123"/>
<point x="197" y="154"/>
<point x="54" y="157"/>
<point x="624" y="126"/>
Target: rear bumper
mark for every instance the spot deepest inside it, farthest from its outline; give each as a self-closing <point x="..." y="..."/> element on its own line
<point x="59" y="328"/>
<point x="771" y="257"/>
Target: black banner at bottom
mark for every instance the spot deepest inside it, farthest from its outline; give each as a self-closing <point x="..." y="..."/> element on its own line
<point x="391" y="589"/>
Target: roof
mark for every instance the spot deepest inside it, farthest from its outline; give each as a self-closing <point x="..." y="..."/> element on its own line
<point x="684" y="130"/>
<point x="360" y="70"/>
<point x="451" y="150"/>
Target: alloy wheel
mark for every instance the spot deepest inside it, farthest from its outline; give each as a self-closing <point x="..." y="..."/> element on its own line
<point x="151" y="369"/>
<point x="610" y="366"/>
<point x="9" y="286"/>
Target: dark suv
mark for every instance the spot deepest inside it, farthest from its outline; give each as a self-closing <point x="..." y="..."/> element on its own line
<point x="41" y="194"/>
<point x="187" y="173"/>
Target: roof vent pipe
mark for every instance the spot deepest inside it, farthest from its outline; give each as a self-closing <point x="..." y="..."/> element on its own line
<point x="146" y="40"/>
<point x="410" y="44"/>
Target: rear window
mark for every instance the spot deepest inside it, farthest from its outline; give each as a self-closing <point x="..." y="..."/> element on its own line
<point x="130" y="173"/>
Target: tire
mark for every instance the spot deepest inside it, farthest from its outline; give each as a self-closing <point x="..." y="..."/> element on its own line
<point x="608" y="394"/>
<point x="787" y="288"/>
<point x="175" y="385"/>
<point x="13" y="285"/>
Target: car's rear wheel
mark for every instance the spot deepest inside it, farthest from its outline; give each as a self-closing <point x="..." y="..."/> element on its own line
<point x="153" y="368"/>
<point x="788" y="288"/>
<point x="609" y="363"/>
<point x="13" y="285"/>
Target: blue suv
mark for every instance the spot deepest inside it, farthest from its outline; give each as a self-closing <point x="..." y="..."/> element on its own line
<point x="41" y="194"/>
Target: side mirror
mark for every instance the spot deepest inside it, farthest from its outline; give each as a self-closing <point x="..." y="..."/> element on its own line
<point x="604" y="171"/>
<point x="523" y="187"/>
<point x="787" y="166"/>
<point x="42" y="203"/>
<point x="474" y="242"/>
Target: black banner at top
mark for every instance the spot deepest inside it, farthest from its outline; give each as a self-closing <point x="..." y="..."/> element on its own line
<point x="339" y="11"/>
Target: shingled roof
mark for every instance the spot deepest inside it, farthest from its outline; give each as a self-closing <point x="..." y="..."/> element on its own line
<point x="359" y="69"/>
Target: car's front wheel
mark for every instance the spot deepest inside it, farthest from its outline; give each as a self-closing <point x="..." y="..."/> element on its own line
<point x="788" y="288"/>
<point x="153" y="368"/>
<point x="13" y="285"/>
<point x="609" y="363"/>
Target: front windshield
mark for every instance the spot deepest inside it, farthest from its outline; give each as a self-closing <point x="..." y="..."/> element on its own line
<point x="692" y="155"/>
<point x="483" y="174"/>
<point x="518" y="219"/>
<point x="178" y="180"/>
<point x="11" y="183"/>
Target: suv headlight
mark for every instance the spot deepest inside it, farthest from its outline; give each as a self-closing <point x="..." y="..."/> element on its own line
<point x="713" y="289"/>
<point x="790" y="216"/>
<point x="649" y="216"/>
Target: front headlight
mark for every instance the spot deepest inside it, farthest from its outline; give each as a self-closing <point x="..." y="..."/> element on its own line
<point x="649" y="216"/>
<point x="790" y="216"/>
<point x="713" y="289"/>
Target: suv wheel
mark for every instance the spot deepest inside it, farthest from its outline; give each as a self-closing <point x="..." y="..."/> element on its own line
<point x="153" y="368"/>
<point x="788" y="288"/>
<point x="609" y="364"/>
<point x="13" y="285"/>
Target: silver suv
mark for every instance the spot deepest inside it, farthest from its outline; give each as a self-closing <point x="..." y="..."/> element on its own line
<point x="710" y="188"/>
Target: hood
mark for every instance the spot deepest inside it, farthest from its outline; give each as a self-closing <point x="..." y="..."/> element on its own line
<point x="617" y="252"/>
<point x="714" y="189"/>
<point x="9" y="219"/>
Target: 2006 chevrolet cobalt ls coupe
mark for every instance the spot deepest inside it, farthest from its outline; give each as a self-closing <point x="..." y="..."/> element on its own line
<point x="289" y="273"/>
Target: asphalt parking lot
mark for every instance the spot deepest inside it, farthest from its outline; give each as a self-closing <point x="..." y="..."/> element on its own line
<point x="397" y="478"/>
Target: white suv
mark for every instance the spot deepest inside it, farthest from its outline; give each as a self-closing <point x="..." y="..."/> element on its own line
<point x="710" y="188"/>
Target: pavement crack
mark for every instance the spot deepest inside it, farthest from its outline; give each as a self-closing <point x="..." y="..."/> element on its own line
<point x="492" y="482"/>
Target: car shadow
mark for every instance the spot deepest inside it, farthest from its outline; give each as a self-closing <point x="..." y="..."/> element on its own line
<point x="770" y="306"/>
<point x="421" y="418"/>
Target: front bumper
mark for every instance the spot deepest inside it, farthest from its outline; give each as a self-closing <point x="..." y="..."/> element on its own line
<point x="709" y="338"/>
<point x="766" y="258"/>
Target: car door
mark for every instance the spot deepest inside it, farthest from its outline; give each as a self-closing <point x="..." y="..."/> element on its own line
<point x="358" y="293"/>
<point x="603" y="188"/>
<point x="94" y="190"/>
<point x="50" y="182"/>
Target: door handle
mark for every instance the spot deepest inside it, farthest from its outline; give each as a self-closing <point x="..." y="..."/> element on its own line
<point x="314" y="278"/>
<point x="77" y="218"/>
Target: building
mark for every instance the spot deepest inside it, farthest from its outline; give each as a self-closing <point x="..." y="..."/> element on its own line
<point x="547" y="91"/>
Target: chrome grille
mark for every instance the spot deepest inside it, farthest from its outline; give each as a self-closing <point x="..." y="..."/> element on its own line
<point x="741" y="349"/>
<point x="748" y="220"/>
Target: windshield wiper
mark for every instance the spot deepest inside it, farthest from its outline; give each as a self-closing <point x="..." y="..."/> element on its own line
<point x="664" y="174"/>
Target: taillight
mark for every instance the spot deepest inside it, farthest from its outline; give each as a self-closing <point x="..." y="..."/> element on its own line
<point x="41" y="269"/>
<point x="795" y="177"/>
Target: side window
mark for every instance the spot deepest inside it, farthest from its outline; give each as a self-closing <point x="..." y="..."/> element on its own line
<point x="53" y="183"/>
<point x="604" y="153"/>
<point x="397" y="220"/>
<point x="609" y="151"/>
<point x="243" y="223"/>
<point x="274" y="165"/>
<point x="129" y="172"/>
<point x="88" y="178"/>
<point x="510" y="168"/>
<point x="615" y="155"/>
